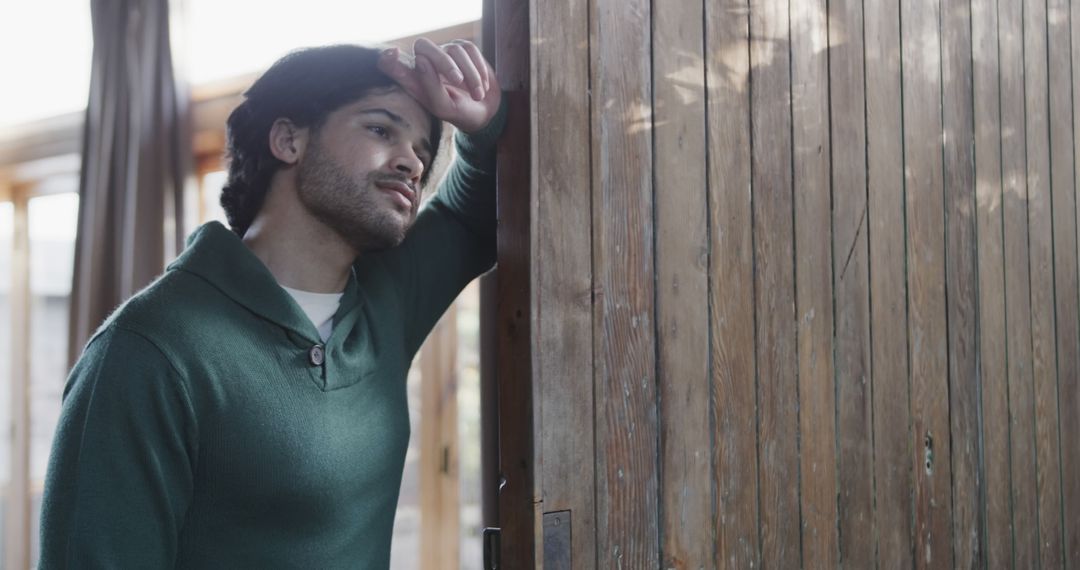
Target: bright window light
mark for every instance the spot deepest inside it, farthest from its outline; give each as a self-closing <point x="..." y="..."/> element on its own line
<point x="47" y="45"/>
<point x="234" y="37"/>
<point x="45" y="53"/>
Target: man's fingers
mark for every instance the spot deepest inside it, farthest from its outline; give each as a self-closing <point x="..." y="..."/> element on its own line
<point x="474" y="83"/>
<point x="393" y="63"/>
<point x="433" y="91"/>
<point x="479" y="62"/>
<point x="443" y="63"/>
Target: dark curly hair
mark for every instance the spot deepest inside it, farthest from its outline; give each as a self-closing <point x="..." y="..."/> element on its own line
<point x="304" y="86"/>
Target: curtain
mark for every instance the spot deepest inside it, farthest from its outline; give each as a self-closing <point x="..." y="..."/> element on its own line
<point x="135" y="157"/>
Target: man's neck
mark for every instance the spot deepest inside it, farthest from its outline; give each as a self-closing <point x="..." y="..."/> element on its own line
<point x="299" y="251"/>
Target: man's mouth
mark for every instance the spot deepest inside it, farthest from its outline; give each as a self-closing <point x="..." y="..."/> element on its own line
<point x="402" y="192"/>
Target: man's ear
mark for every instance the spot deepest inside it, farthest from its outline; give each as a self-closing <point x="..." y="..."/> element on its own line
<point x="287" y="141"/>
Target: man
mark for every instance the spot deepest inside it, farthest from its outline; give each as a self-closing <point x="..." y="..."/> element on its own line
<point x="248" y="409"/>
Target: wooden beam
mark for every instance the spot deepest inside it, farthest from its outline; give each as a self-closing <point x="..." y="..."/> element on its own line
<point x="997" y="474"/>
<point x="857" y="523"/>
<point x="1066" y="285"/>
<point x="1041" y="267"/>
<point x="731" y="286"/>
<point x="930" y="450"/>
<point x="888" y="310"/>
<point x="1017" y="286"/>
<point x="440" y="517"/>
<point x="519" y="498"/>
<point x="815" y="323"/>
<point x="17" y="518"/>
<point x="624" y="330"/>
<point x="563" y="274"/>
<point x="961" y="282"/>
<point x="682" y="287"/>
<point x="774" y="283"/>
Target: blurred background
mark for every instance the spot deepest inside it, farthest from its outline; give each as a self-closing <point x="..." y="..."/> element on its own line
<point x="218" y="47"/>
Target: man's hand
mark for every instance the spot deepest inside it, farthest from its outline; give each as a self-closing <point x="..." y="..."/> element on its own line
<point x="452" y="81"/>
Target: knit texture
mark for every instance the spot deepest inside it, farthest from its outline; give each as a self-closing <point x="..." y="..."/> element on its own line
<point x="206" y="424"/>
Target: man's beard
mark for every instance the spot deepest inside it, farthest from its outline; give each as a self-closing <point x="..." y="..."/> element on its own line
<point x="352" y="209"/>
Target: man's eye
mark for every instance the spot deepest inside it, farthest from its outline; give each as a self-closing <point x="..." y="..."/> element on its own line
<point x="380" y="131"/>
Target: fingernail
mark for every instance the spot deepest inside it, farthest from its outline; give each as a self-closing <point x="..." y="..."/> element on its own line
<point x="458" y="77"/>
<point x="423" y="65"/>
<point x="478" y="94"/>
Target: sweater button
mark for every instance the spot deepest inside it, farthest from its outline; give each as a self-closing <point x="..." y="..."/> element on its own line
<point x="316" y="355"/>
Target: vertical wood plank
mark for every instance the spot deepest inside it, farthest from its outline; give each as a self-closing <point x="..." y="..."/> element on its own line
<point x="626" y="425"/>
<point x="682" y="255"/>
<point x="927" y="334"/>
<point x="1063" y="184"/>
<point x="774" y="284"/>
<point x="850" y="267"/>
<point x="489" y="341"/>
<point x="1040" y="243"/>
<point x="17" y="516"/>
<point x="563" y="269"/>
<point x="888" y="291"/>
<point x="814" y="291"/>
<point x="1017" y="285"/>
<point x="440" y="519"/>
<point x="731" y="285"/>
<point x="519" y="499"/>
<point x="961" y="278"/>
<point x="991" y="256"/>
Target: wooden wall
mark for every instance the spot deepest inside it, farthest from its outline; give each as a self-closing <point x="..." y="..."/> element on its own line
<point x="790" y="283"/>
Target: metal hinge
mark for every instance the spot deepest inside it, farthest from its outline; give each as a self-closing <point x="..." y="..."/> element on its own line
<point x="557" y="541"/>
<point x="491" y="548"/>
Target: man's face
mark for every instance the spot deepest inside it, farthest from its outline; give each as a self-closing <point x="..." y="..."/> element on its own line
<point x="360" y="174"/>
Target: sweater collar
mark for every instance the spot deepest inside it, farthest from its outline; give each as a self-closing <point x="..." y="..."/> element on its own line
<point x="217" y="254"/>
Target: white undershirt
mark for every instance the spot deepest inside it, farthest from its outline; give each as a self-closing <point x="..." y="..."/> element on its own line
<point x="319" y="307"/>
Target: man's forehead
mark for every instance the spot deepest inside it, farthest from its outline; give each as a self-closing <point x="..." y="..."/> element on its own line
<point x="396" y="105"/>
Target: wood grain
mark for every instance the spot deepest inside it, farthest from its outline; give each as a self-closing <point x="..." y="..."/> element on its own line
<point x="562" y="261"/>
<point x="851" y="276"/>
<point x="682" y="263"/>
<point x="997" y="482"/>
<point x="774" y="283"/>
<point x="888" y="286"/>
<point x="1063" y="213"/>
<point x="440" y="519"/>
<point x="813" y="285"/>
<point x="518" y="498"/>
<point x="927" y="334"/>
<point x="1041" y="264"/>
<point x="961" y="278"/>
<point x="731" y="285"/>
<point x="1017" y="286"/>
<point x="624" y="327"/>
<point x="17" y="532"/>
<point x="1063" y="123"/>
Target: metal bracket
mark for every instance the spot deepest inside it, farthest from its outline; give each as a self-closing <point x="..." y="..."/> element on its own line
<point x="492" y="546"/>
<point x="557" y="540"/>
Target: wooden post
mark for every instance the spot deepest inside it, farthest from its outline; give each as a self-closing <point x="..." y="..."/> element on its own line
<point x="440" y="517"/>
<point x="997" y="473"/>
<point x="17" y="519"/>
<point x="518" y="497"/>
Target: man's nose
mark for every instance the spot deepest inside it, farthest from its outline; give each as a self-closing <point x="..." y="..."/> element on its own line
<point x="408" y="164"/>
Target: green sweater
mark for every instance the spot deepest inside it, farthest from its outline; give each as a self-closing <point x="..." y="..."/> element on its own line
<point x="206" y="425"/>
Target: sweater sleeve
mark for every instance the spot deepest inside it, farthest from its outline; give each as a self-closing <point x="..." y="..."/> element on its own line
<point x="121" y="471"/>
<point x="453" y="240"/>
